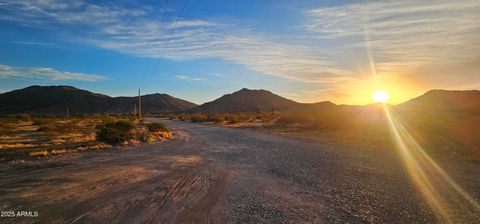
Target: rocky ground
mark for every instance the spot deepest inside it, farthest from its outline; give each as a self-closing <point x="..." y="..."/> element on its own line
<point x="212" y="174"/>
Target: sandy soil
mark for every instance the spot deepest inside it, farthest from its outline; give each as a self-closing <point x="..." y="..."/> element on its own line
<point x="212" y="174"/>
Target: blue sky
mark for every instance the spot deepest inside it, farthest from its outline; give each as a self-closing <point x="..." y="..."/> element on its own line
<point x="308" y="51"/>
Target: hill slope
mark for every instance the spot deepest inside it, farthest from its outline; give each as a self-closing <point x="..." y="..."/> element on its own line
<point x="152" y="103"/>
<point x="51" y="100"/>
<point x="445" y="100"/>
<point x="249" y="101"/>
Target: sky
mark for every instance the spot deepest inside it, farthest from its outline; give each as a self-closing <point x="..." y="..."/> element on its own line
<point x="198" y="50"/>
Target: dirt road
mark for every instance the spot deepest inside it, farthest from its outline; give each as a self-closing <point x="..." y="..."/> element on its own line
<point x="213" y="174"/>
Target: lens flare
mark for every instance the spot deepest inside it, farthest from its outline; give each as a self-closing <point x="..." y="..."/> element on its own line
<point x="426" y="174"/>
<point x="381" y="96"/>
<point x="435" y="185"/>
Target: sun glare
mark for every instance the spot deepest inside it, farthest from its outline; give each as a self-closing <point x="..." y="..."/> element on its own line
<point x="380" y="96"/>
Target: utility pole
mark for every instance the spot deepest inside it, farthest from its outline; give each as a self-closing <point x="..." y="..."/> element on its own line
<point x="139" y="106"/>
<point x="67" y="113"/>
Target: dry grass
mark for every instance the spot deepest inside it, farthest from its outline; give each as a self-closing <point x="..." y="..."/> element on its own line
<point x="25" y="136"/>
<point x="443" y="133"/>
<point x="41" y="136"/>
<point x="453" y="133"/>
<point x="229" y="119"/>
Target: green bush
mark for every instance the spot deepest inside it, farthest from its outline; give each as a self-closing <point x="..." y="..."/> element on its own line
<point x="156" y="127"/>
<point x="114" y="132"/>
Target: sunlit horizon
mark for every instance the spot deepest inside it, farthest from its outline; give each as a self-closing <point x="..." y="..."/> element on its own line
<point x="227" y="111"/>
<point x="308" y="51"/>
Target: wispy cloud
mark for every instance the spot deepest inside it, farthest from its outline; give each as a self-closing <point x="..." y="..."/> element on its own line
<point x="192" y="23"/>
<point x="215" y="74"/>
<point x="28" y="42"/>
<point x="138" y="31"/>
<point x="188" y="78"/>
<point x="7" y="71"/>
<point x="403" y="35"/>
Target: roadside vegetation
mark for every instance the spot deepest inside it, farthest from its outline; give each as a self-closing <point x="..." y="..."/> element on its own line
<point x="440" y="132"/>
<point x="157" y="127"/>
<point x="124" y="131"/>
<point x="226" y="118"/>
<point x="115" y="132"/>
<point x="23" y="135"/>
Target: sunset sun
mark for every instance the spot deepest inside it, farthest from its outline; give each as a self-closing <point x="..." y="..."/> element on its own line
<point x="239" y="111"/>
<point x="380" y="96"/>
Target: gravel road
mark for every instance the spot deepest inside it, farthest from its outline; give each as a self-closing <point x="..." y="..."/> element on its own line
<point x="212" y="174"/>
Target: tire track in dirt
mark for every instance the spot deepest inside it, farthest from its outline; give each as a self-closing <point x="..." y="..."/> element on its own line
<point x="214" y="174"/>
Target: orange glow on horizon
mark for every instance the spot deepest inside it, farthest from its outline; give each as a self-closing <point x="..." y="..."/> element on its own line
<point x="381" y="96"/>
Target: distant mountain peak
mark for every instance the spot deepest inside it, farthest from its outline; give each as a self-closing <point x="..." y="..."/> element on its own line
<point x="52" y="87"/>
<point x="251" y="90"/>
<point x="53" y="100"/>
<point x="253" y="100"/>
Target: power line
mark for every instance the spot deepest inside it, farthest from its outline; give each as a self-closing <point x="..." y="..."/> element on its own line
<point x="166" y="44"/>
<point x="164" y="10"/>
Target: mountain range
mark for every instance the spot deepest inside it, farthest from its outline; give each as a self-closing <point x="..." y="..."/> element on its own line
<point x="54" y="100"/>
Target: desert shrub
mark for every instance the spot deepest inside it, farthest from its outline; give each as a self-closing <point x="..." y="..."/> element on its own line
<point x="172" y="116"/>
<point x="198" y="118"/>
<point x="270" y="118"/>
<point x="23" y="117"/>
<point x="156" y="127"/>
<point x="70" y="125"/>
<point x="40" y="121"/>
<point x="294" y="119"/>
<point x="115" y="132"/>
<point x="245" y="117"/>
<point x="232" y="119"/>
<point x="266" y="117"/>
<point x="108" y="119"/>
<point x="217" y="118"/>
<point x="363" y="120"/>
